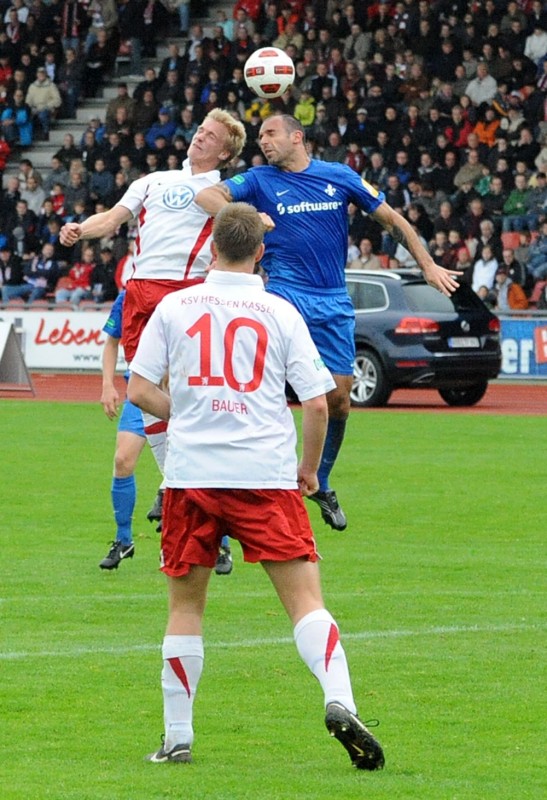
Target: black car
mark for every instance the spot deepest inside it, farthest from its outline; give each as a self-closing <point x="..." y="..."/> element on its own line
<point x="409" y="335"/>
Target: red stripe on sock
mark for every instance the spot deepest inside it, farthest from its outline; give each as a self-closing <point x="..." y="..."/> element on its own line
<point x="156" y="427"/>
<point x="332" y="641"/>
<point x="178" y="669"/>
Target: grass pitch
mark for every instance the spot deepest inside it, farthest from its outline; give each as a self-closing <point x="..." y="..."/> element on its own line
<point x="437" y="585"/>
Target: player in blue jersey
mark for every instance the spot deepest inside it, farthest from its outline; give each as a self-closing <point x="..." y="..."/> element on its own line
<point x="130" y="441"/>
<point x="306" y="201"/>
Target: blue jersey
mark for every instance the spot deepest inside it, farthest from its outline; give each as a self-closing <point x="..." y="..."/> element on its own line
<point x="309" y="244"/>
<point x="113" y="325"/>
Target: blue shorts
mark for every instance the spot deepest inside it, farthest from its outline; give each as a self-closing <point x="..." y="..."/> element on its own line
<point x="330" y="317"/>
<point x="131" y="419"/>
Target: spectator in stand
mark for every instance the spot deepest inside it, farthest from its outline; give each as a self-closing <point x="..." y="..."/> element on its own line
<point x="16" y="121"/>
<point x="515" y="207"/>
<point x="99" y="60"/>
<point x="537" y="255"/>
<point x="508" y="295"/>
<point x="21" y="224"/>
<point x="536" y="43"/>
<point x="164" y="126"/>
<point x="494" y="201"/>
<point x="68" y="152"/>
<point x="447" y="219"/>
<point x="517" y="270"/>
<point x="458" y="128"/>
<point x="471" y="171"/>
<point x="76" y="286"/>
<point x="483" y="88"/>
<point x="44" y="100"/>
<point x="75" y="190"/>
<point x="11" y="271"/>
<point x="40" y="274"/>
<point x="131" y="26"/>
<point x="484" y="269"/>
<point x="101" y="181"/>
<point x="69" y="81"/>
<point x="150" y="83"/>
<point x="103" y="280"/>
<point x="104" y="19"/>
<point x="366" y="259"/>
<point x="121" y="100"/>
<point x="33" y="194"/>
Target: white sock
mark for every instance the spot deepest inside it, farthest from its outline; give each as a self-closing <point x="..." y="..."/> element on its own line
<point x="182" y="667"/>
<point x="156" y="435"/>
<point x="318" y="643"/>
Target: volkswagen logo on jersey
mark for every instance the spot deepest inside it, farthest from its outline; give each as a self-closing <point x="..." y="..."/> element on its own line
<point x="178" y="197"/>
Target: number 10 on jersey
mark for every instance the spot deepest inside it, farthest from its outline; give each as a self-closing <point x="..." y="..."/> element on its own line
<point x="254" y="353"/>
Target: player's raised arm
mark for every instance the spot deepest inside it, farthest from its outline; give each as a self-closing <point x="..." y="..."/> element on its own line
<point x="403" y="233"/>
<point x="98" y="225"/>
<point x="214" y="198"/>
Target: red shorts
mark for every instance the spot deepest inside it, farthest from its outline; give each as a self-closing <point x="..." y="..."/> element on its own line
<point x="141" y="298"/>
<point x="270" y="525"/>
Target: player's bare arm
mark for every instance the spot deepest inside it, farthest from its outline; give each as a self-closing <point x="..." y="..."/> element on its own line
<point x="104" y="224"/>
<point x="214" y="198"/>
<point x="403" y="233"/>
<point x="314" y="429"/>
<point x="149" y="397"/>
<point x="110" y="399"/>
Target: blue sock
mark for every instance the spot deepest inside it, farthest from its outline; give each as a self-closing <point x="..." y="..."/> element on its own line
<point x="336" y="429"/>
<point x="124" y="495"/>
<point x="225" y="541"/>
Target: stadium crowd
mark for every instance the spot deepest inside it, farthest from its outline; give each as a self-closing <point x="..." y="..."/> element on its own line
<point x="442" y="105"/>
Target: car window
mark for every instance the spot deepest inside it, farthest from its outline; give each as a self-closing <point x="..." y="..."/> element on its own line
<point x="422" y="297"/>
<point x="368" y="296"/>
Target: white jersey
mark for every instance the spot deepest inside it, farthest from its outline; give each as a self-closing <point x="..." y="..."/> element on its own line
<point x="174" y="234"/>
<point x="229" y="347"/>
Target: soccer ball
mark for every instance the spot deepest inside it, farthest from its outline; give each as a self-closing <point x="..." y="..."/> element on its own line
<point x="269" y="72"/>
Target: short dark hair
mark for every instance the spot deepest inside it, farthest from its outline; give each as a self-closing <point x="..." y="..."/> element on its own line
<point x="238" y="232"/>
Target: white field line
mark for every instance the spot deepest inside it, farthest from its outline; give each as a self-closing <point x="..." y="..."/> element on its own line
<point x="449" y="630"/>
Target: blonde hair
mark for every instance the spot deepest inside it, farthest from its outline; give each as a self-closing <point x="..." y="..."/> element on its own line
<point x="236" y="132"/>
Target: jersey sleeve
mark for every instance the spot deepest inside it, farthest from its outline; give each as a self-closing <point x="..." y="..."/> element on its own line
<point x="113" y="325"/>
<point x="306" y="371"/>
<point x="150" y="360"/>
<point x="135" y="196"/>
<point x="242" y="187"/>
<point x="362" y="193"/>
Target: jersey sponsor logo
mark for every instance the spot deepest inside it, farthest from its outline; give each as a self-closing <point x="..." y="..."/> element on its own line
<point x="305" y="207"/>
<point x="238" y="179"/>
<point x="374" y="192"/>
<point x="178" y="197"/>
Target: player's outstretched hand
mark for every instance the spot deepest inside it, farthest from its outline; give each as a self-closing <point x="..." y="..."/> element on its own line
<point x="307" y="481"/>
<point x="445" y="280"/>
<point x="70" y="233"/>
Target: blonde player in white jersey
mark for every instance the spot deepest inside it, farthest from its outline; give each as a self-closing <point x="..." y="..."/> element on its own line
<point x="228" y="347"/>
<point x="173" y="245"/>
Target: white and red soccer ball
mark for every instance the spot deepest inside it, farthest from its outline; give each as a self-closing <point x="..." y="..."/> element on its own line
<point x="269" y="72"/>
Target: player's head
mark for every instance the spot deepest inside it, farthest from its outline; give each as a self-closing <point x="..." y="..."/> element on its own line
<point x="282" y="139"/>
<point x="217" y="140"/>
<point x="238" y="234"/>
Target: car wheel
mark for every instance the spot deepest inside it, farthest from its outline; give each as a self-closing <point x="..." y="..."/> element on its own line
<point x="465" y="396"/>
<point x="370" y="385"/>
